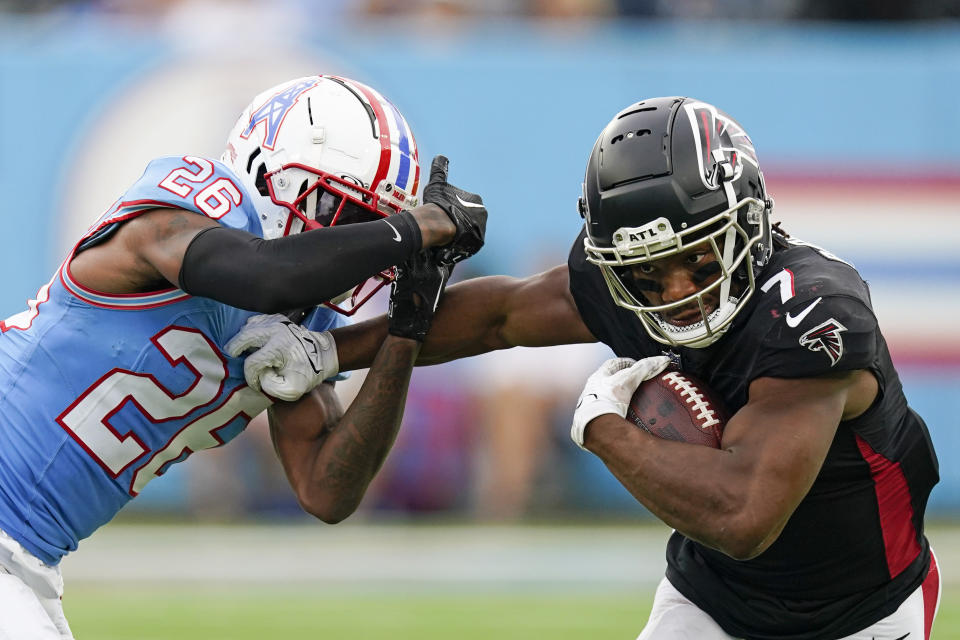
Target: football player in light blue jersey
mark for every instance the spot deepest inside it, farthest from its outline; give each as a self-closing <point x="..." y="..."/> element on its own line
<point x="123" y="365"/>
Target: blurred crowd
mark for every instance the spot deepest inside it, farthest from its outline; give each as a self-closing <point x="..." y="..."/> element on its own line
<point x="876" y="10"/>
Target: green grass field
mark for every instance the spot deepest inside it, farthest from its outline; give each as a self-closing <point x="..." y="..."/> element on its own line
<point x="183" y="582"/>
<point x="185" y="614"/>
<point x="241" y="614"/>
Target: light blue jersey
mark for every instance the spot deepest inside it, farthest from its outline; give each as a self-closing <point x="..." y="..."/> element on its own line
<point x="101" y="393"/>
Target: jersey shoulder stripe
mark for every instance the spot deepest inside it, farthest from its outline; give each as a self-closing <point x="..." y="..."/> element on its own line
<point x="132" y="301"/>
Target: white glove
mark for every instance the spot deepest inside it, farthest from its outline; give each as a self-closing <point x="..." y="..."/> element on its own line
<point x="289" y="360"/>
<point x="609" y="389"/>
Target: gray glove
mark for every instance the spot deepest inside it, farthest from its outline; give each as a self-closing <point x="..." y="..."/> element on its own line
<point x="288" y="360"/>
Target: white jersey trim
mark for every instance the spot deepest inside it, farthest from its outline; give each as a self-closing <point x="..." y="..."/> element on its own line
<point x="130" y="301"/>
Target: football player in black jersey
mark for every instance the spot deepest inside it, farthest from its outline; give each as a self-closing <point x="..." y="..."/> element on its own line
<point x="807" y="523"/>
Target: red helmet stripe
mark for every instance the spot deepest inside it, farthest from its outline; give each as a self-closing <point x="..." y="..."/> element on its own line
<point x="374" y="101"/>
<point x="415" y="152"/>
<point x="416" y="180"/>
<point x="706" y="136"/>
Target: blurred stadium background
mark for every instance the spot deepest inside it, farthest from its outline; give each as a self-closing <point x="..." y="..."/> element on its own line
<point x="853" y="108"/>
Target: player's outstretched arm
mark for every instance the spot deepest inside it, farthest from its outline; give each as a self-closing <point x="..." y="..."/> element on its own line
<point x="172" y="246"/>
<point x="481" y="315"/>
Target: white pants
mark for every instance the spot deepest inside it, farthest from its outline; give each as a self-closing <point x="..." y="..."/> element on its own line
<point x="675" y="618"/>
<point x="30" y="591"/>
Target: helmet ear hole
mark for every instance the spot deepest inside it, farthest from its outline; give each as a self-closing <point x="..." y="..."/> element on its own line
<point x="261" y="181"/>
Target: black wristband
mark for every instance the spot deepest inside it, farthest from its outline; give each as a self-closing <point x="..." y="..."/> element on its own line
<point x="299" y="271"/>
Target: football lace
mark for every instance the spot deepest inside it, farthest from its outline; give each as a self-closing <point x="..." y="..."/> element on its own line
<point x="704" y="412"/>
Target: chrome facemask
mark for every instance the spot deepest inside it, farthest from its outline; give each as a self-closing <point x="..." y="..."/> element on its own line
<point x="731" y="245"/>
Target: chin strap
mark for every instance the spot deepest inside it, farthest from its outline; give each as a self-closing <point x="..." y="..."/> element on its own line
<point x="726" y="174"/>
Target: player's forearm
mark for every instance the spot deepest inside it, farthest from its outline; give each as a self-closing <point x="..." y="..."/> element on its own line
<point x="499" y="312"/>
<point x="331" y="482"/>
<point x="699" y="491"/>
<point x="469" y="321"/>
<point x="480" y="315"/>
<point x="466" y="323"/>
<point x="358" y="344"/>
<point x="270" y="276"/>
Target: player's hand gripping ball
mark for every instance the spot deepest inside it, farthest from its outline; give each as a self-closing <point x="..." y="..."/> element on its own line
<point x="608" y="390"/>
<point x="678" y="406"/>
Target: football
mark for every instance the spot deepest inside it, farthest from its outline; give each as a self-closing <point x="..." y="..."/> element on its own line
<point x="678" y="406"/>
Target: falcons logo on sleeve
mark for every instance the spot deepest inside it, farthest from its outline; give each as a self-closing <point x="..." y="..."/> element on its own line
<point x="825" y="337"/>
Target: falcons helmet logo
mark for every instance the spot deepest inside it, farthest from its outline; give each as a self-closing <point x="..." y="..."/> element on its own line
<point x="715" y="131"/>
<point x="825" y="337"/>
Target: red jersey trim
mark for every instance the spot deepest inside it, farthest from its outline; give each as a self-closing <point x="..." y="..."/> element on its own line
<point x="895" y="509"/>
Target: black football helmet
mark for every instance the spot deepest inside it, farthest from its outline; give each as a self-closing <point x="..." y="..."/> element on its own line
<point x="667" y="175"/>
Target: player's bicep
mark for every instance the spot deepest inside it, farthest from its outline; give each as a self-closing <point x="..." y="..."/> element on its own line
<point x="160" y="238"/>
<point x="781" y="437"/>
<point x="540" y="311"/>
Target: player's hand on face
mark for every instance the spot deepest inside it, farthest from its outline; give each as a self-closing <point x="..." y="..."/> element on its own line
<point x="288" y="360"/>
<point x="415" y="294"/>
<point x="464" y="208"/>
<point x="609" y="389"/>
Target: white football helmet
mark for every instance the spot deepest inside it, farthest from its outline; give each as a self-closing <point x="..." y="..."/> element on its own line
<point x="324" y="150"/>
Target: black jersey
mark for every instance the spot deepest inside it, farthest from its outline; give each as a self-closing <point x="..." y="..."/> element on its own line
<point x="854" y="549"/>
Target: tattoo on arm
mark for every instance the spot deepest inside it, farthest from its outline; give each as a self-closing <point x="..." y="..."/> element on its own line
<point x="330" y="459"/>
<point x="360" y="442"/>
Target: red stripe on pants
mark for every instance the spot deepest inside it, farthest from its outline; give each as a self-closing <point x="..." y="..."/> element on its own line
<point x="931" y="595"/>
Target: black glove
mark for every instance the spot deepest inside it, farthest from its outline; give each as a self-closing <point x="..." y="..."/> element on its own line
<point x="464" y="208"/>
<point x="415" y="294"/>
